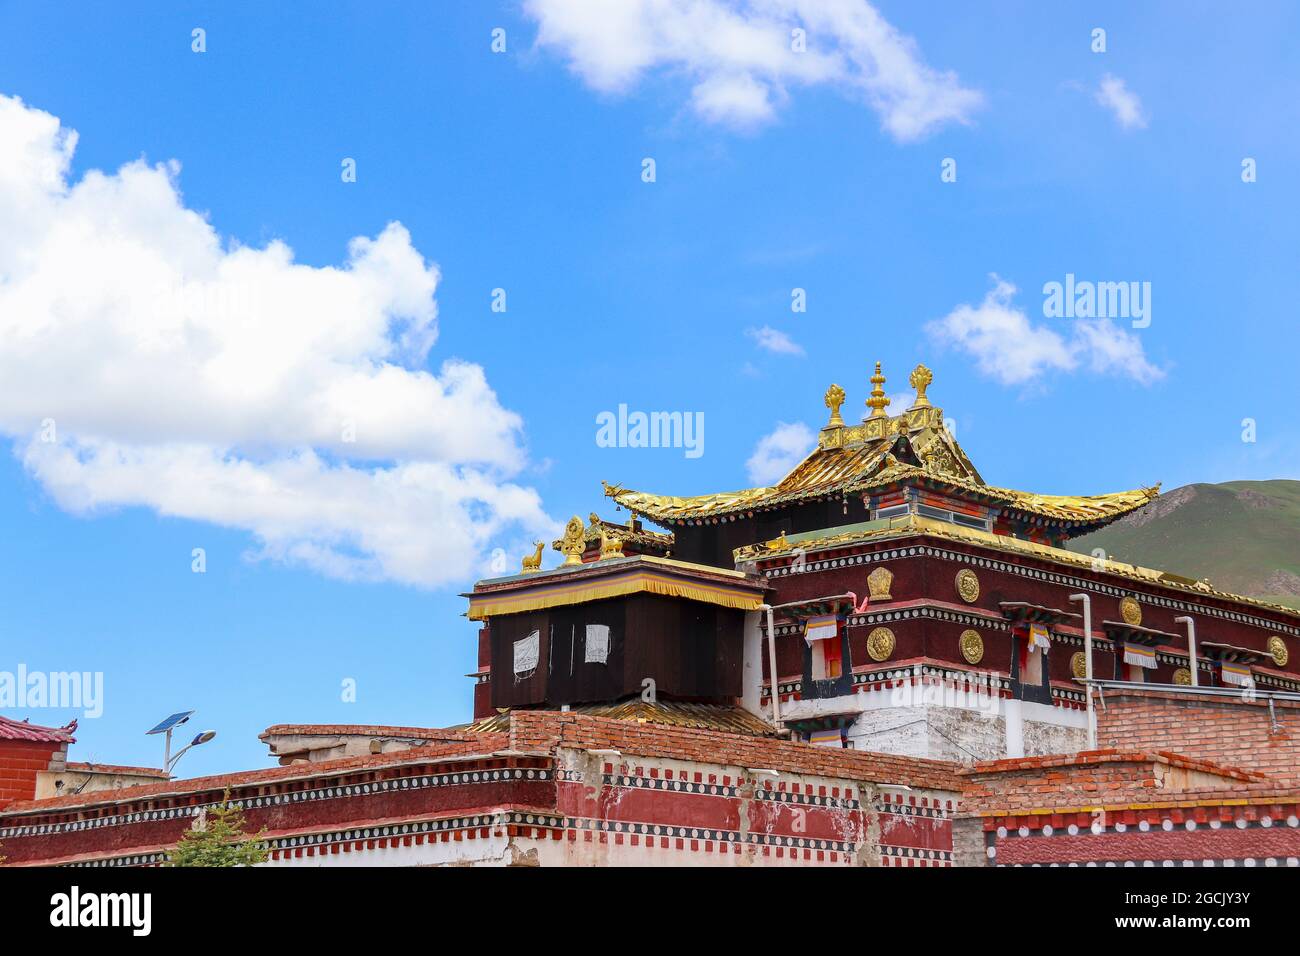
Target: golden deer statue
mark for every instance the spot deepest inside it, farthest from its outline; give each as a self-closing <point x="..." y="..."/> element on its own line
<point x="533" y="562"/>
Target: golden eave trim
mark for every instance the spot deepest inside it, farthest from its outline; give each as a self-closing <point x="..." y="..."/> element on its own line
<point x="743" y="595"/>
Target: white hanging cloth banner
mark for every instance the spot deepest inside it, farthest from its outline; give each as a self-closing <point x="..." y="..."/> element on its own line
<point x="527" y="652"/>
<point x="597" y="644"/>
<point x="1038" y="637"/>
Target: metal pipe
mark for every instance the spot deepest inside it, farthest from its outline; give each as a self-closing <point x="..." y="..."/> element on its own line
<point x="1193" y="665"/>
<point x="771" y="664"/>
<point x="1087" y="666"/>
<point x="1122" y="685"/>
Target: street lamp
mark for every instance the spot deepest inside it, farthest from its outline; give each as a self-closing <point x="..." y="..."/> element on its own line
<point x="202" y="738"/>
<point x="166" y="727"/>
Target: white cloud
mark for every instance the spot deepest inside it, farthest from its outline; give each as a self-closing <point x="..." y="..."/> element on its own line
<point x="779" y="451"/>
<point x="774" y="340"/>
<point x="1008" y="347"/>
<point x="1121" y="101"/>
<point x="207" y="380"/>
<point x="739" y="57"/>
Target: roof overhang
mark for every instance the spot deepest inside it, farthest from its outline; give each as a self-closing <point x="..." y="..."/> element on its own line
<point x="615" y="577"/>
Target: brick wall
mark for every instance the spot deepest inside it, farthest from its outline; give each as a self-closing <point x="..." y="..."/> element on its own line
<point x="1226" y="730"/>
<point x="20" y="762"/>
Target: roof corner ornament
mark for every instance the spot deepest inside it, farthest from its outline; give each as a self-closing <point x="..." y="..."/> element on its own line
<point x="834" y="399"/>
<point x="920" y="380"/>
<point x="877" y="401"/>
<point x="574" y="541"/>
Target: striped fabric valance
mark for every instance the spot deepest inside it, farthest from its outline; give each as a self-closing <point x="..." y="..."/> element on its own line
<point x="1139" y="655"/>
<point x="1238" y="674"/>
<point x="821" y="627"/>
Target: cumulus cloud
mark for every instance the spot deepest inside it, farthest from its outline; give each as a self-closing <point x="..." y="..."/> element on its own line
<point x="774" y="340"/>
<point x="779" y="451"/>
<point x="1123" y="103"/>
<point x="741" y="58"/>
<point x="149" y="362"/>
<point x="1010" y="348"/>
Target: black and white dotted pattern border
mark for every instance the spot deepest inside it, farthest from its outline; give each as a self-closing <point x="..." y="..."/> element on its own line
<point x="416" y="782"/>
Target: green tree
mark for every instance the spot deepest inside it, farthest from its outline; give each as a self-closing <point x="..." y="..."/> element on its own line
<point x="222" y="841"/>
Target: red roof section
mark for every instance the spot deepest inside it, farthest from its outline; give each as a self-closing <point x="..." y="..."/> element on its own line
<point x="22" y="730"/>
<point x="545" y="731"/>
<point x="366" y="730"/>
<point x="482" y="744"/>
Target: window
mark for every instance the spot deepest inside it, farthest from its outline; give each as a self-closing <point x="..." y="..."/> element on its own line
<point x="597" y="644"/>
<point x="527" y="652"/>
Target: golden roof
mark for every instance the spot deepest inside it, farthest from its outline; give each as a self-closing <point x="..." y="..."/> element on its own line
<point x="883" y="450"/>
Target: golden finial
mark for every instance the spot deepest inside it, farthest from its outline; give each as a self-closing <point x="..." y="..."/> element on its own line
<point x="834" y="399"/>
<point x="574" y="541"/>
<point x="877" y="401"/>
<point x="920" y="380"/>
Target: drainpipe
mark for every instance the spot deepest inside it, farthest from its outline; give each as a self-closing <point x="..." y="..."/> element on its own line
<point x="1191" y="648"/>
<point x="771" y="664"/>
<point x="1087" y="666"/>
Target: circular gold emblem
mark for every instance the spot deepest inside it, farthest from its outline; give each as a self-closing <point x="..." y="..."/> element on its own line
<point x="968" y="586"/>
<point x="1277" y="647"/>
<point x="972" y="646"/>
<point x="1130" y="611"/>
<point x="880" y="644"/>
<point x="1079" y="665"/>
<point x="1183" y="676"/>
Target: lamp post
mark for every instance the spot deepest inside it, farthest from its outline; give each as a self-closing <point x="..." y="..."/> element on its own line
<point x="1086" y="600"/>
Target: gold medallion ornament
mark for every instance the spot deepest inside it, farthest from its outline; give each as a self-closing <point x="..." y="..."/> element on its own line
<point x="878" y="583"/>
<point x="1277" y="647"/>
<point x="1183" y="676"/>
<point x="972" y="646"/>
<point x="1079" y="665"/>
<point x="968" y="585"/>
<point x="1130" y="610"/>
<point x="880" y="644"/>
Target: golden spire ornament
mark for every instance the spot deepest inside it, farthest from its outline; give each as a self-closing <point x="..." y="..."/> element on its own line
<point x="877" y="401"/>
<point x="920" y="380"/>
<point x="834" y="399"/>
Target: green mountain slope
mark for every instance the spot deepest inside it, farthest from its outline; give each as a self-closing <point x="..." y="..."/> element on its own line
<point x="1244" y="536"/>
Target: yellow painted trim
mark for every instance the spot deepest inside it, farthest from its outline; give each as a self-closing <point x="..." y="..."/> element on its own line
<point x="582" y="591"/>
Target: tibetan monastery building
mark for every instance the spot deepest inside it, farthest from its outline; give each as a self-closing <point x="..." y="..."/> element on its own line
<point x="882" y="596"/>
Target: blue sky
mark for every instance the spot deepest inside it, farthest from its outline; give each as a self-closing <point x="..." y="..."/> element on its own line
<point x="523" y="171"/>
